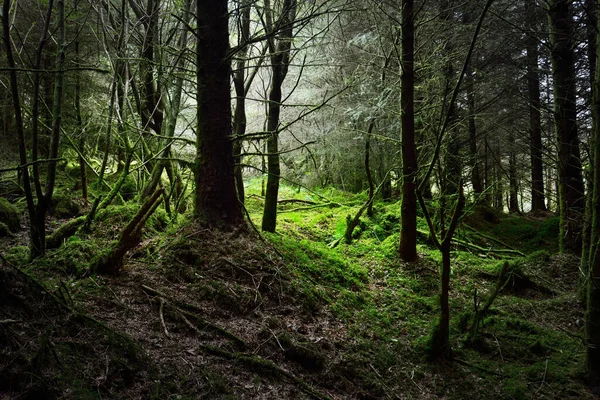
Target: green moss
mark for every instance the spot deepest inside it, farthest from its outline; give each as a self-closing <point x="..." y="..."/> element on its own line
<point x="64" y="206"/>
<point x="9" y="215"/>
<point x="129" y="188"/>
<point x="17" y="255"/>
<point x="4" y="231"/>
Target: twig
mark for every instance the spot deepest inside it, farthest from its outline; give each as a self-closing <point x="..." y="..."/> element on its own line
<point x="162" y="317"/>
<point x="9" y="321"/>
<point x="466" y="364"/>
<point x="499" y="349"/>
<point x="543" y="377"/>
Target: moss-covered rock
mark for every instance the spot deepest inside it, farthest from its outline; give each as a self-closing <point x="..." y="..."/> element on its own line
<point x="11" y="190"/>
<point x="17" y="255"/>
<point x="63" y="206"/>
<point x="9" y="215"/>
<point x="129" y="188"/>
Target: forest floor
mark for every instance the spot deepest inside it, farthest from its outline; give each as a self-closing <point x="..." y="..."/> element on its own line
<point x="205" y="314"/>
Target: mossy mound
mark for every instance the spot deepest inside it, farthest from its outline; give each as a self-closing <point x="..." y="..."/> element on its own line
<point x="9" y="215"/>
<point x="49" y="351"/>
<point x="11" y="190"/>
<point x="64" y="206"/>
<point x="129" y="189"/>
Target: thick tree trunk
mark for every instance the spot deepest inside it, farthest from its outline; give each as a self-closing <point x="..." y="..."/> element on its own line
<point x="216" y="202"/>
<point x="592" y="315"/>
<point x="591" y="26"/>
<point x="571" y="197"/>
<point x="408" y="234"/>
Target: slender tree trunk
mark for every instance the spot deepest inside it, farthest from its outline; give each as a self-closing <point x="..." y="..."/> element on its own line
<point x="216" y="202"/>
<point x="36" y="247"/>
<point x="571" y="197"/>
<point x="476" y="172"/>
<point x="535" y="124"/>
<point x="239" y="81"/>
<point x="280" y="60"/>
<point x="368" y="167"/>
<point x="173" y="112"/>
<point x="82" y="165"/>
<point x="408" y="233"/>
<point x="513" y="181"/>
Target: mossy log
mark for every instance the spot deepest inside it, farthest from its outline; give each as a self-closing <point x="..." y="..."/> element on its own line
<point x="9" y="215"/>
<point x="480" y="313"/>
<point x="111" y="260"/>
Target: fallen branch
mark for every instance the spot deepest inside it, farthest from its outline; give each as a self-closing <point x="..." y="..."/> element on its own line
<point x="9" y="321"/>
<point x="481" y="313"/>
<point x="290" y="201"/>
<point x="111" y="260"/>
<point x="493" y="239"/>
<point x="162" y="317"/>
<point x="330" y="205"/>
<point x="472" y="246"/>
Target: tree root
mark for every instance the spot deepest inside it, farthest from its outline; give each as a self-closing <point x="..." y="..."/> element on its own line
<point x="200" y="323"/>
<point x="266" y="365"/>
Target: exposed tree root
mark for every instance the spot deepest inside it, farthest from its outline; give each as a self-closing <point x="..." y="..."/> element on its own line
<point x="263" y="364"/>
<point x="181" y="309"/>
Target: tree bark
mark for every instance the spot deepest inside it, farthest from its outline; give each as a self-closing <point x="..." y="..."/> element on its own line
<point x="408" y="214"/>
<point x="535" y="125"/>
<point x="368" y="167"/>
<point x="239" y="82"/>
<point x="571" y="196"/>
<point x="216" y="202"/>
<point x="476" y="179"/>
<point x="592" y="314"/>
<point x="513" y="180"/>
<point x="35" y="246"/>
<point x="280" y="60"/>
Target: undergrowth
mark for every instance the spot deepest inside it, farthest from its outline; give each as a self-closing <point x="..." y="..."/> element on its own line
<point x="528" y="344"/>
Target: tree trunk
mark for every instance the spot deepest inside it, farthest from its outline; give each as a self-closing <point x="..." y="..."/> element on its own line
<point x="513" y="181"/>
<point x="239" y="115"/>
<point x="535" y="124"/>
<point x="592" y="314"/>
<point x="80" y="130"/>
<point x="216" y="202"/>
<point x="368" y="167"/>
<point x="173" y="112"/>
<point x="476" y="172"/>
<point x="408" y="214"/>
<point x="571" y="199"/>
<point x="280" y="60"/>
<point x="14" y="88"/>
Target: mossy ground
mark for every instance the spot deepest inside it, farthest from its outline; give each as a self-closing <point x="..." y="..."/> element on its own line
<point x="352" y="322"/>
